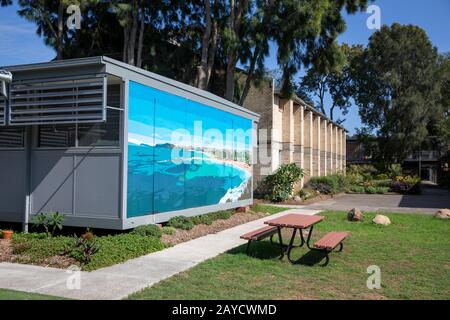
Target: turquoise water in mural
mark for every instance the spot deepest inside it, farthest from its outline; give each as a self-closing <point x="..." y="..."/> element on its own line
<point x="162" y="185"/>
<point x="165" y="172"/>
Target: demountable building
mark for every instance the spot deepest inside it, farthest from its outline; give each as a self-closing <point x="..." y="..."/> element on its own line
<point x="113" y="146"/>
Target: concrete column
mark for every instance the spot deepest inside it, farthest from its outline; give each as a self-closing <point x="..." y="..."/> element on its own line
<point x="302" y="142"/>
<point x="287" y="134"/>
<point x="325" y="130"/>
<point x="331" y="148"/>
<point x="344" y="136"/>
<point x="340" y="150"/>
<point x="311" y="141"/>
<point x="336" y="143"/>
<point x="318" y="146"/>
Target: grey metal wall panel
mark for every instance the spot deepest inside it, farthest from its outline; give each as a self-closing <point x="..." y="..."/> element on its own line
<point x="12" y="184"/>
<point x="51" y="182"/>
<point x="97" y="186"/>
<point x="78" y="184"/>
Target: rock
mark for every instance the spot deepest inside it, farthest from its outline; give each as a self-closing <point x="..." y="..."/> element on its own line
<point x="355" y="215"/>
<point x="442" y="214"/>
<point x="297" y="199"/>
<point x="380" y="219"/>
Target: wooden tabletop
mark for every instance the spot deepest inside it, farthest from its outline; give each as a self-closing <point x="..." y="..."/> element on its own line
<point x="294" y="220"/>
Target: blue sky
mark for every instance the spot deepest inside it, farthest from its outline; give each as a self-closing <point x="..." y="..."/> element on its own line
<point x="19" y="43"/>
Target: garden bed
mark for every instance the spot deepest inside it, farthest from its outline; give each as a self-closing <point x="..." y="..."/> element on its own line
<point x="60" y="251"/>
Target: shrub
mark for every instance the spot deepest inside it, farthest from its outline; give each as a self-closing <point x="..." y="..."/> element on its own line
<point x="353" y="180"/>
<point x="49" y="221"/>
<point x="382" y="183"/>
<point x="221" y="215"/>
<point x="382" y="176"/>
<point x="335" y="183"/>
<point x="168" y="230"/>
<point x="202" y="219"/>
<point x="279" y="186"/>
<point x="83" y="249"/>
<point x="322" y="188"/>
<point x="356" y="189"/>
<point x="382" y="190"/>
<point x="307" y="193"/>
<point x="181" y="222"/>
<point x="149" y="230"/>
<point x="394" y="170"/>
<point x="371" y="190"/>
<point x="367" y="171"/>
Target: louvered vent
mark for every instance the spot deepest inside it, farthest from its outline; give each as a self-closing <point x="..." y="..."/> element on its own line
<point x="53" y="101"/>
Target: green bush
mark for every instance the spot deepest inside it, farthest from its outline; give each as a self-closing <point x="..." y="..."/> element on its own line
<point x="168" y="230"/>
<point x="221" y="215"/>
<point x="149" y="230"/>
<point x="307" y="193"/>
<point x="279" y="186"/>
<point x="382" y="176"/>
<point x="335" y="183"/>
<point x="50" y="221"/>
<point x="202" y="219"/>
<point x="382" y="183"/>
<point x="356" y="189"/>
<point x="394" y="170"/>
<point x="181" y="222"/>
<point x="367" y="171"/>
<point x="376" y="190"/>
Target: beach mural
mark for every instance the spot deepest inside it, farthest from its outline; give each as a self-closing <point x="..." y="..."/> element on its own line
<point x="183" y="154"/>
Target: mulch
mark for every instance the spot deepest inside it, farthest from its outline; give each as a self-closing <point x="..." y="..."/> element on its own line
<point x="218" y="225"/>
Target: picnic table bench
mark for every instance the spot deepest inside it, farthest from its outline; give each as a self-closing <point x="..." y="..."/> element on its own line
<point x="296" y="222"/>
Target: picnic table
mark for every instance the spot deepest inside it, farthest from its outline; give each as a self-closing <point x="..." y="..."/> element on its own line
<point x="296" y="222"/>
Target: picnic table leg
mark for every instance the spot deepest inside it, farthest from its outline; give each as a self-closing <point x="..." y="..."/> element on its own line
<point x="291" y="245"/>
<point x="247" y="249"/>
<point x="309" y="237"/>
<point x="280" y="240"/>
<point x="301" y="238"/>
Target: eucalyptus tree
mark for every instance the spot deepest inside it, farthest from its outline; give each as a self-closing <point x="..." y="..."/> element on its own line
<point x="398" y="87"/>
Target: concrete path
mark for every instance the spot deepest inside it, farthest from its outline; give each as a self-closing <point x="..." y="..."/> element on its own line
<point x="119" y="281"/>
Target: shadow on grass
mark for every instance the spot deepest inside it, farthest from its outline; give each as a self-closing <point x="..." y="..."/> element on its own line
<point x="263" y="250"/>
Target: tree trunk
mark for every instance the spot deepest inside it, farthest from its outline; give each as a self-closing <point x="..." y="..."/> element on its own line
<point x="141" y="38"/>
<point x="133" y="35"/>
<point x="203" y="68"/>
<point x="59" y="38"/>
<point x="212" y="52"/>
<point x="250" y="72"/>
<point x="126" y="34"/>
<point x="235" y="23"/>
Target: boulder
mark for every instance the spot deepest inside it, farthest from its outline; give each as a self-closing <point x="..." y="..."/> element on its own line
<point x="297" y="199"/>
<point x="355" y="215"/>
<point x="383" y="220"/>
<point x="442" y="214"/>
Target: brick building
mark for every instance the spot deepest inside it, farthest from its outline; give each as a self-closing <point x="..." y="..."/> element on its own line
<point x="295" y="132"/>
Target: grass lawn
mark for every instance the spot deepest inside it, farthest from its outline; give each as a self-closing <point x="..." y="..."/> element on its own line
<point x="413" y="254"/>
<point x="6" y="294"/>
<point x="267" y="208"/>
